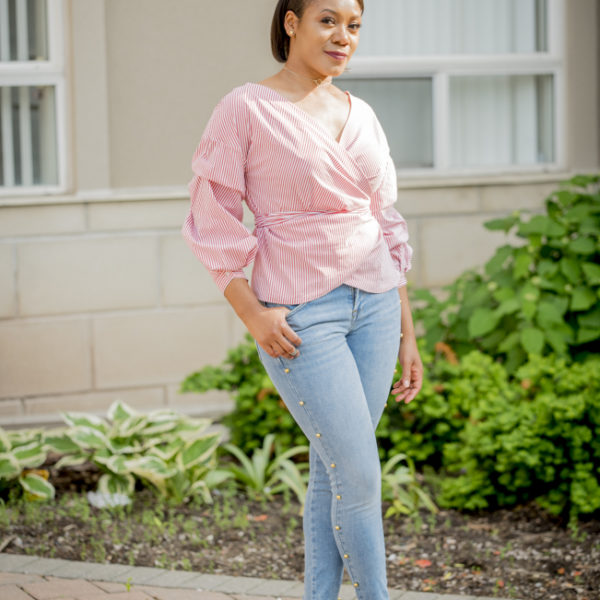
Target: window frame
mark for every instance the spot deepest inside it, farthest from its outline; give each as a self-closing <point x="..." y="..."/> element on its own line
<point x="50" y="72"/>
<point x="440" y="68"/>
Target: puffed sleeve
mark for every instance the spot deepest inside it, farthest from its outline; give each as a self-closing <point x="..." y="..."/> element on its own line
<point x="393" y="225"/>
<point x="213" y="228"/>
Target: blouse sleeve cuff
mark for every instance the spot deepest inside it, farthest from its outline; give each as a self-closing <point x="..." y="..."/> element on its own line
<point x="224" y="278"/>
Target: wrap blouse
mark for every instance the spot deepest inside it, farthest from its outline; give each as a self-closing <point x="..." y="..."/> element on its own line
<point x="323" y="208"/>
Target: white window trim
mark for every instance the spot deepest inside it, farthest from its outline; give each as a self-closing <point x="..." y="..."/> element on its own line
<point x="49" y="72"/>
<point x="439" y="68"/>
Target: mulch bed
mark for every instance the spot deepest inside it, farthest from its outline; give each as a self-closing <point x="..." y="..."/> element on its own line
<point x="521" y="553"/>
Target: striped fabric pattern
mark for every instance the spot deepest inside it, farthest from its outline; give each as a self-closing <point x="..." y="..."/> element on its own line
<point x="324" y="208"/>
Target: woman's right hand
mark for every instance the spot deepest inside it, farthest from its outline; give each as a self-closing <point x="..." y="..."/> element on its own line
<point x="268" y="326"/>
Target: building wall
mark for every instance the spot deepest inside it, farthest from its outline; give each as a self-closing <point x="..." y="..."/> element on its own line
<point x="100" y="298"/>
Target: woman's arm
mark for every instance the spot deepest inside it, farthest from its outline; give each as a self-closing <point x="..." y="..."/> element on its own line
<point x="408" y="386"/>
<point x="266" y="325"/>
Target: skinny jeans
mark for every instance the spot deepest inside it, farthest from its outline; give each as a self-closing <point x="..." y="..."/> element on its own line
<point x="336" y="390"/>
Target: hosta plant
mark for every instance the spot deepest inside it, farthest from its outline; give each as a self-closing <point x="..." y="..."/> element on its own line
<point x="171" y="452"/>
<point x="21" y="455"/>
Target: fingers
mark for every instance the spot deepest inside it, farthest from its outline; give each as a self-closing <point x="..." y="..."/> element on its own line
<point x="409" y="385"/>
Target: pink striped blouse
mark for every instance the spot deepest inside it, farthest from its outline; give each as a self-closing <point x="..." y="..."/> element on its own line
<point x="323" y="208"/>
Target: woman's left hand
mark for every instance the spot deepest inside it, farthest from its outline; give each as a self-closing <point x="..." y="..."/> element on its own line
<point x="408" y="386"/>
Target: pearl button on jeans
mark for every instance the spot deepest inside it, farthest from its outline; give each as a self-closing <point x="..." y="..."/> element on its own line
<point x="336" y="390"/>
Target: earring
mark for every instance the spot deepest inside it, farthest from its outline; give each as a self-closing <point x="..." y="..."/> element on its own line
<point x="292" y="33"/>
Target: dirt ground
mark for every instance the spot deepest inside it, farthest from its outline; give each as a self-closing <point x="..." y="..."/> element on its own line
<point x="520" y="553"/>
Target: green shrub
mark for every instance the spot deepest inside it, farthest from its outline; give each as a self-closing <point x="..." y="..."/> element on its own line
<point x="258" y="408"/>
<point x="540" y="442"/>
<point x="537" y="298"/>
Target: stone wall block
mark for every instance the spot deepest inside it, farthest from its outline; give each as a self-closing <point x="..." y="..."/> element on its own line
<point x="143" y="399"/>
<point x="8" y="303"/>
<point x="157" y="347"/>
<point x="127" y="215"/>
<point x="184" y="280"/>
<point x="41" y="220"/>
<point x="507" y="198"/>
<point x="450" y="245"/>
<point x="435" y="201"/>
<point x="83" y="275"/>
<point x="44" y="357"/>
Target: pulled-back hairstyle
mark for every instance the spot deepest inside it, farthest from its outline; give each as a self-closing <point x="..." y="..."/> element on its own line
<point x="280" y="41"/>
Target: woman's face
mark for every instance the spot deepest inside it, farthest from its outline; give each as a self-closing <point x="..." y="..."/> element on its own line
<point x="326" y="36"/>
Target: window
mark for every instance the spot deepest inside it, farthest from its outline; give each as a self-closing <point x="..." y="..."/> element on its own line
<point x="463" y="86"/>
<point x="31" y="96"/>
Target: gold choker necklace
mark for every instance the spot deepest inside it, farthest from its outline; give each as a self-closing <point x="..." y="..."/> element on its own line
<point x="317" y="82"/>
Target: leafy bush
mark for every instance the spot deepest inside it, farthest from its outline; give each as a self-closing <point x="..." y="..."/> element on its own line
<point x="539" y="442"/>
<point x="537" y="298"/>
<point x="21" y="455"/>
<point x="258" y="408"/>
<point x="171" y="452"/>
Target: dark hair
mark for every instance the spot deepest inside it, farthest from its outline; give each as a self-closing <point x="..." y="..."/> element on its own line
<point x="280" y="40"/>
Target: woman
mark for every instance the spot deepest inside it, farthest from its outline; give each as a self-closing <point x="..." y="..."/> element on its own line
<point x="330" y="255"/>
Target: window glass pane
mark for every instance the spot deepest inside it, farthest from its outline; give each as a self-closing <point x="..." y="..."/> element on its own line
<point x="23" y="30"/>
<point x="404" y="107"/>
<point x="501" y="120"/>
<point x="28" y="152"/>
<point x="426" y="27"/>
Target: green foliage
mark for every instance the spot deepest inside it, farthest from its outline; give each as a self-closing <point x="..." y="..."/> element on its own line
<point x="539" y="442"/>
<point x="540" y="297"/>
<point x="400" y="487"/>
<point x="268" y="471"/>
<point x="168" y="451"/>
<point x="21" y="455"/>
<point x="258" y="408"/>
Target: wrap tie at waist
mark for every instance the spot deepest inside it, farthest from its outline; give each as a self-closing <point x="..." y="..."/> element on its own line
<point x="278" y="218"/>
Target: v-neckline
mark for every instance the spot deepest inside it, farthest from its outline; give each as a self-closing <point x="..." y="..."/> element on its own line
<point x="336" y="140"/>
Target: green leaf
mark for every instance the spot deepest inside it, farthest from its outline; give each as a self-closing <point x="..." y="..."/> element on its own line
<point x="496" y="263"/>
<point x="522" y="265"/>
<point x="75" y="419"/>
<point x="5" y="443"/>
<point x="588" y="335"/>
<point x="557" y="340"/>
<point x="199" y="451"/>
<point x="9" y="466"/>
<point x="60" y="444"/>
<point x="70" y="461"/>
<point x="119" y="411"/>
<point x="571" y="269"/>
<point x="31" y="455"/>
<point x="592" y="273"/>
<point x="548" y="314"/>
<point x="540" y="224"/>
<point x="532" y="340"/>
<point x="37" y="486"/>
<point x="583" y="245"/>
<point x="509" y="341"/>
<point x="508" y="307"/>
<point x="110" y="483"/>
<point x="502" y="224"/>
<point x="589" y="320"/>
<point x="482" y="321"/>
<point x="582" y="298"/>
<point x="88" y="438"/>
<point x="547" y="268"/>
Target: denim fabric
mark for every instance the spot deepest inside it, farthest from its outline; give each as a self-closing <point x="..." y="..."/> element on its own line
<point x="336" y="390"/>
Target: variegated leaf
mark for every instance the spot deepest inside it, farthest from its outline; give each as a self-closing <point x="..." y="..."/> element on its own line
<point x="198" y="451"/>
<point x="30" y="455"/>
<point x="37" y="487"/>
<point x="9" y="466"/>
<point x="70" y="461"/>
<point x="75" y="419"/>
<point x="87" y="437"/>
<point x="119" y="411"/>
<point x="116" y="484"/>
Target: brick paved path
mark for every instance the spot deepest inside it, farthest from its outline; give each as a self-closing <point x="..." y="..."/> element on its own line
<point x="32" y="578"/>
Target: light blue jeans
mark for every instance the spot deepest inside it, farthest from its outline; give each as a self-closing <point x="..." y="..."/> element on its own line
<point x="336" y="390"/>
